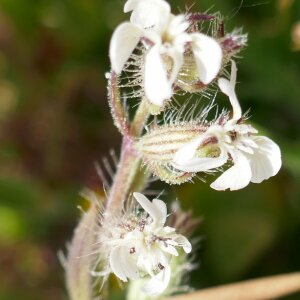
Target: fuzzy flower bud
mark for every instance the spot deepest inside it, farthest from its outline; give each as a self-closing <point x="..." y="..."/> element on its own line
<point x="159" y="146"/>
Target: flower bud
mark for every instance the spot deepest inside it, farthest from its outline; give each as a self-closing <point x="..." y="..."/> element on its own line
<point x="159" y="146"/>
<point x="161" y="143"/>
<point x="232" y="44"/>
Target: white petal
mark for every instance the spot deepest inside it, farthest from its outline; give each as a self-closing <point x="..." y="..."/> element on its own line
<point x="168" y="229"/>
<point x="116" y="264"/>
<point x="169" y="249"/>
<point x="145" y="262"/>
<point x="178" y="25"/>
<point x="186" y="161"/>
<point x="236" y="177"/>
<point x="177" y="58"/>
<point x="162" y="208"/>
<point x="188" y="151"/>
<point x="157" y="86"/>
<point x="208" y="56"/>
<point x="123" y="264"/>
<point x="123" y="41"/>
<point x="243" y="128"/>
<point x="148" y="13"/>
<point x="228" y="88"/>
<point x="152" y="35"/>
<point x="246" y="149"/>
<point x="131" y="5"/>
<point x="266" y="160"/>
<point x="184" y="243"/>
<point x="156" y="210"/>
<point x="158" y="283"/>
<point x="249" y="142"/>
<point x="202" y="164"/>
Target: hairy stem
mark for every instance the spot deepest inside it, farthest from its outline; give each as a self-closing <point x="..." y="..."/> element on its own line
<point x="129" y="168"/>
<point x="116" y="107"/>
<point x="140" y="118"/>
<point x="256" y="289"/>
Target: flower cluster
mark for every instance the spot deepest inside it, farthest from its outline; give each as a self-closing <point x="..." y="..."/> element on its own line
<point x="155" y="56"/>
<point x="139" y="245"/>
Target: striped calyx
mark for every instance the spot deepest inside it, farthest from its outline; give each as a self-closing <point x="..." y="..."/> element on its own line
<point x="159" y="146"/>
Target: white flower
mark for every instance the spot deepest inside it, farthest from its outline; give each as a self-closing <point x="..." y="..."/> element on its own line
<point x="140" y="245"/>
<point x="255" y="158"/>
<point x="165" y="37"/>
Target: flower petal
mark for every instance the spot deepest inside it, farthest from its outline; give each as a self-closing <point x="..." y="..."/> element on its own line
<point x="162" y="207"/>
<point x="131" y="5"/>
<point x="168" y="229"/>
<point x="169" y="249"/>
<point x="177" y="58"/>
<point x="186" y="161"/>
<point x="184" y="243"/>
<point x="266" y="160"/>
<point x="177" y="26"/>
<point x="188" y="151"/>
<point x="236" y="177"/>
<point x="208" y="56"/>
<point x="228" y="88"/>
<point x="156" y="209"/>
<point x="148" y="13"/>
<point x="123" y="41"/>
<point x="202" y="164"/>
<point x="158" y="283"/>
<point x="123" y="264"/>
<point x="157" y="86"/>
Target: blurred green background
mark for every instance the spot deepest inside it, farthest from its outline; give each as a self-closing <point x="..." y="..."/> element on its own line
<point x="55" y="123"/>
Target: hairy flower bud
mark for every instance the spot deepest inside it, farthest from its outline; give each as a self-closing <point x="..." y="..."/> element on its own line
<point x="159" y="146"/>
<point x="161" y="143"/>
<point x="232" y="43"/>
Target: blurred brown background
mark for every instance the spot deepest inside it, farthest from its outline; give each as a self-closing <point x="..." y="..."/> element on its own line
<point x="55" y="123"/>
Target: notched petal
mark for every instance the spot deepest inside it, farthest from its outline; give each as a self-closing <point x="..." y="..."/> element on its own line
<point x="208" y="56"/>
<point x="158" y="283"/>
<point x="184" y="243"/>
<point x="266" y="160"/>
<point x="123" y="264"/>
<point x="156" y="209"/>
<point x="157" y="86"/>
<point x="236" y="177"/>
<point x="124" y="40"/>
<point x="188" y="151"/>
<point x="131" y="5"/>
<point x="148" y="14"/>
